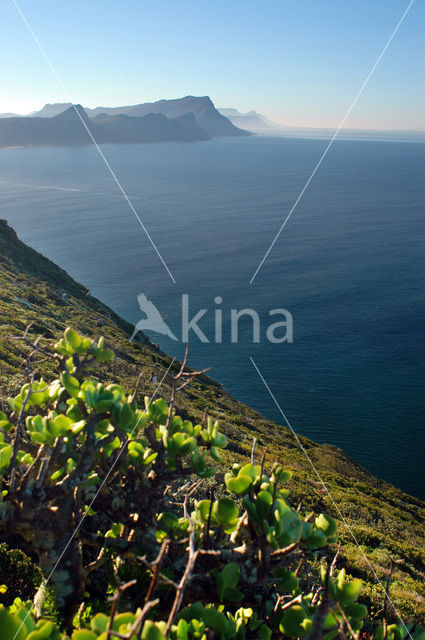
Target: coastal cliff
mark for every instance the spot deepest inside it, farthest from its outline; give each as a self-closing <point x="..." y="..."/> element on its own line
<point x="384" y="521"/>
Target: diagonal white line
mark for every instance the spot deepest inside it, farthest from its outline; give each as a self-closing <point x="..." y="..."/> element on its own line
<point x="331" y="141"/>
<point x="300" y="444"/>
<point x="47" y="580"/>
<point x="108" y="166"/>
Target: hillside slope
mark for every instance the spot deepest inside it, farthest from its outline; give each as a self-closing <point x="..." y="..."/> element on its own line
<point x="386" y="522"/>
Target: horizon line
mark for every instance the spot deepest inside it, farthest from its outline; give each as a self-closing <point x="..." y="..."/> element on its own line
<point x="282" y="125"/>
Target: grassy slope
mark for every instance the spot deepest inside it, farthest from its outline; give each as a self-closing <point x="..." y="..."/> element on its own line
<point x="385" y="521"/>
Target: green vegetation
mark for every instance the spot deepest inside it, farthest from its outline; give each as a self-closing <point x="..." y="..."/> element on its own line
<point x="386" y="523"/>
<point x="91" y="481"/>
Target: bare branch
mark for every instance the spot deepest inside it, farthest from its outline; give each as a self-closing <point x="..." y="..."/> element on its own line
<point x="387" y="593"/>
<point x="115" y="600"/>
<point x="353" y="634"/>
<point x="96" y="563"/>
<point x="12" y="466"/>
<point x="155" y="568"/>
<point x="254" y="445"/>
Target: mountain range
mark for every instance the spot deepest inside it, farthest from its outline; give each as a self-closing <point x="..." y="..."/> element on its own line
<point x="252" y="121"/>
<point x="187" y="119"/>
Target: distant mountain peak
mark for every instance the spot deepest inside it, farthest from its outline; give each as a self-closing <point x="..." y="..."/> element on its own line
<point x="252" y="120"/>
<point x="73" y="111"/>
<point x="51" y="109"/>
<point x="207" y="116"/>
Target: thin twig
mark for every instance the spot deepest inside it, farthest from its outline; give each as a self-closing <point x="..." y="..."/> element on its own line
<point x="136" y="388"/>
<point x="353" y="634"/>
<point x="254" y="445"/>
<point x="321" y="613"/>
<point x="263" y="460"/>
<point x="12" y="466"/>
<point x="387" y="593"/>
<point x="190" y="563"/>
<point x="115" y="600"/>
<point x="333" y="565"/>
<point x="291" y="602"/>
<point x="161" y="576"/>
<point x="155" y="568"/>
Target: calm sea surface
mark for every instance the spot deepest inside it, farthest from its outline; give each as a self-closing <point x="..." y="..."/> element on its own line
<point x="349" y="266"/>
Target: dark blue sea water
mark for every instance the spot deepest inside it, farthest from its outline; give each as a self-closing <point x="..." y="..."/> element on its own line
<point x="349" y="266"/>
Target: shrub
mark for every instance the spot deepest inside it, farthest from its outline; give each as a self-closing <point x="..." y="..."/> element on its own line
<point x="94" y="482"/>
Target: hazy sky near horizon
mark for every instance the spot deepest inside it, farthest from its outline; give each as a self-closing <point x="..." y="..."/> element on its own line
<point x="300" y="62"/>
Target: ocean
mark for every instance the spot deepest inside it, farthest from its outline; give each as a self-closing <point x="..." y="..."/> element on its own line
<point x="348" y="266"/>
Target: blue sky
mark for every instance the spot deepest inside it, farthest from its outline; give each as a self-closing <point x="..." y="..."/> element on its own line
<point x="297" y="61"/>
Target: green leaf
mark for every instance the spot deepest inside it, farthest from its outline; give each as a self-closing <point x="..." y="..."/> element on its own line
<point x="291" y="622"/>
<point x="233" y="595"/>
<point x="57" y="474"/>
<point x="122" y="619"/>
<point x="214" y="620"/>
<point x="11" y="627"/>
<point x="76" y="427"/>
<point x="326" y="524"/>
<point x="356" y="611"/>
<point x="104" y="401"/>
<point x="180" y="445"/>
<point x="38" y="438"/>
<point x="251" y="510"/>
<point x="265" y="633"/>
<point x="231" y="573"/>
<point x="104" y="355"/>
<point x="341" y="578"/>
<point x="307" y="529"/>
<point x="5" y="456"/>
<point x="290" y="525"/>
<point x="72" y="338"/>
<point x="316" y="540"/>
<point x="127" y="417"/>
<point x="167" y="520"/>
<point x="225" y="511"/>
<point x="238" y="485"/>
<point x="253" y="471"/>
<point x="59" y="425"/>
<point x="5" y="427"/>
<point x="83" y="634"/>
<point x="332" y="634"/>
<point x="149" y="456"/>
<point x="71" y="384"/>
<point x="193" y="611"/>
<point x="330" y="621"/>
<point x="136" y="451"/>
<point x="202" y="510"/>
<point x="215" y="454"/>
<point x="100" y="622"/>
<point x="220" y="441"/>
<point x="349" y="593"/>
<point x="287" y="580"/>
<point x="263" y="503"/>
<point x="279" y="474"/>
<point x="183" y="630"/>
<point x="54" y="389"/>
<point x="151" y="631"/>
